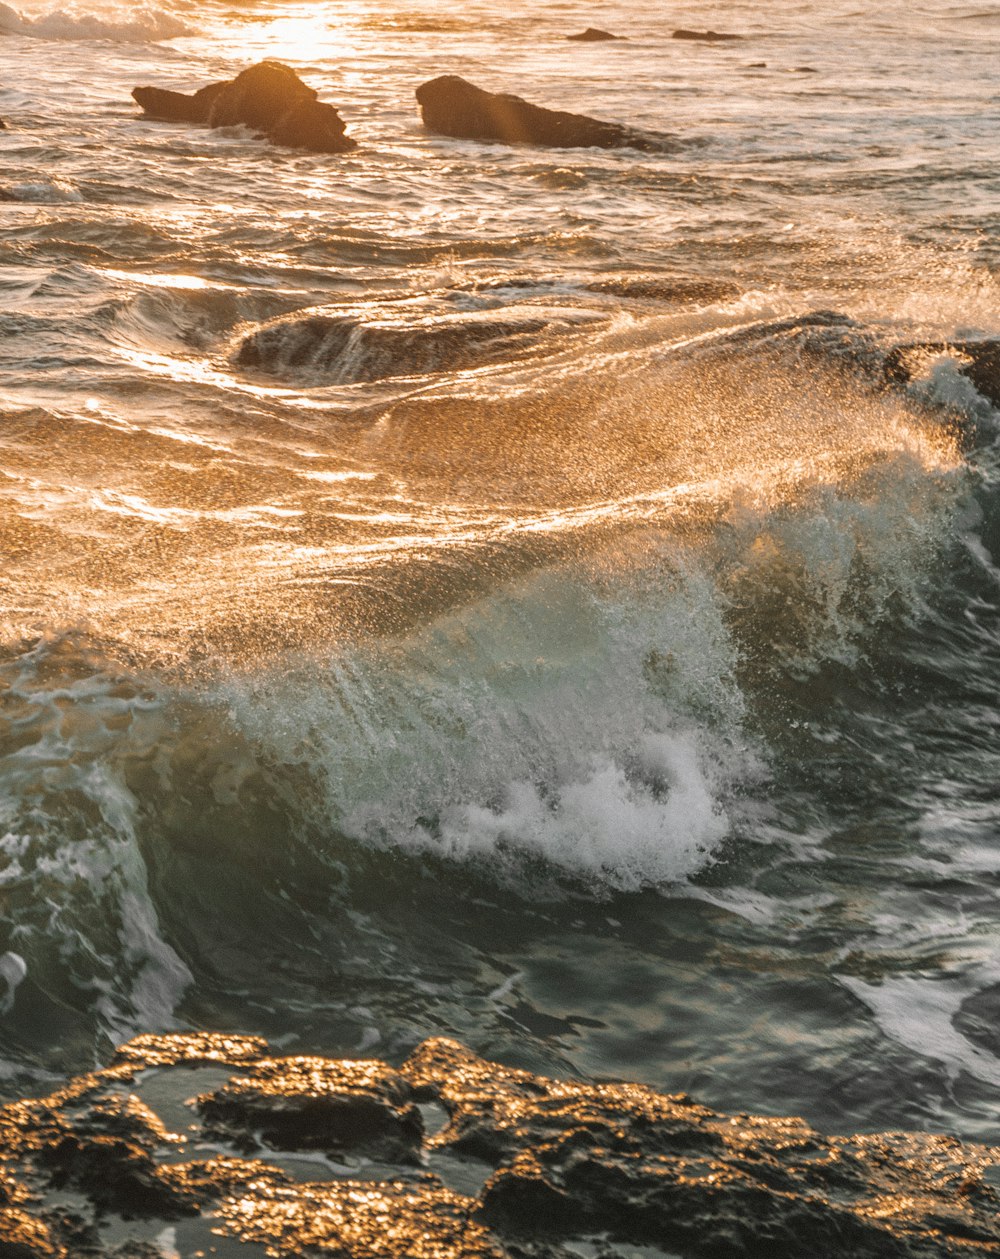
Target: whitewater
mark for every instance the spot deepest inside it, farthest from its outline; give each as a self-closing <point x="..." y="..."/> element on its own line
<point x="450" y="588"/>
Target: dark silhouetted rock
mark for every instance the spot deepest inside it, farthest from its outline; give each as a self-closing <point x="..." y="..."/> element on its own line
<point x="339" y="346"/>
<point x="166" y="106"/>
<point x="268" y="97"/>
<point x="708" y="37"/>
<point x="566" y="1163"/>
<point x="979" y="361"/>
<point x="451" y="106"/>
<point x="593" y="35"/>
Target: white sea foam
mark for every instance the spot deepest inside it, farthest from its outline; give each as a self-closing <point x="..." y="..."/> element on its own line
<point x="120" y="24"/>
<point x="77" y="901"/>
<point x="919" y="1012"/>
<point x="548" y="722"/>
<point x="13" y="971"/>
<point x="44" y="191"/>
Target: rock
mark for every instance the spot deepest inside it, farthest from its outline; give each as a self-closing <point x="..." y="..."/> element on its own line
<point x="268" y="97"/>
<point x="709" y="37"/>
<point x="575" y="1158"/>
<point x="336" y="345"/>
<point x="166" y="106"/>
<point x="452" y="106"/>
<point x="979" y="361"/>
<point x="316" y="1103"/>
<point x="570" y="1167"/>
<point x="593" y="35"/>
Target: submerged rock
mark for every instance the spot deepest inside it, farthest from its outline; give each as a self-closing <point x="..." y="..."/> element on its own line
<point x="452" y="106"/>
<point x="268" y="97"/>
<point x="337" y="346"/>
<point x="593" y="35"/>
<point x="708" y="37"/>
<point x="565" y="1163"/>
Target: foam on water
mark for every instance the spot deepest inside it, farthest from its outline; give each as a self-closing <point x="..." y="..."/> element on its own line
<point x="77" y="904"/>
<point x="117" y="23"/>
<point x="47" y="191"/>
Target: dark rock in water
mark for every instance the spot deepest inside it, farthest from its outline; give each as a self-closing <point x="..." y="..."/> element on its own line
<point x="979" y="361"/>
<point x="268" y="97"/>
<point x="3" y="125"/>
<point x="318" y="1103"/>
<point x="593" y="35"/>
<point x="336" y="346"/>
<point x="570" y="1166"/>
<point x="166" y="106"/>
<point x="452" y="106"/>
<point x="259" y="97"/>
<point x="709" y="37"/>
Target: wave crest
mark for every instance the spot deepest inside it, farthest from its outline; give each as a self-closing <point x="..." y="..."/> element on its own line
<point x="128" y="26"/>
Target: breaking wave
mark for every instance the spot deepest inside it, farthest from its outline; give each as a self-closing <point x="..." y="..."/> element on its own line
<point x="132" y="26"/>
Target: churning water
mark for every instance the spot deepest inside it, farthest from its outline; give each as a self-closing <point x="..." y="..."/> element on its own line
<point x="456" y="588"/>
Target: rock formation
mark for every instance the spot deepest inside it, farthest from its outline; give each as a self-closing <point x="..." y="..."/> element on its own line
<point x="708" y="37"/>
<point x="194" y="1138"/>
<point x="337" y="345"/>
<point x="593" y="35"/>
<point x="268" y="97"/>
<point x="451" y="106"/>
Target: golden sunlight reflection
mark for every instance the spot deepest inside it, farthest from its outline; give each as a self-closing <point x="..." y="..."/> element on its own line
<point x="280" y="533"/>
<point x="307" y="33"/>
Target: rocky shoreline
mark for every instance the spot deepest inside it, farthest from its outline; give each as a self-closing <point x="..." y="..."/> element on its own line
<point x="209" y="1144"/>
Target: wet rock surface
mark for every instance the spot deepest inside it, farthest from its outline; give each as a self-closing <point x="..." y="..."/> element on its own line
<point x="205" y="1144"/>
<point x="452" y="106"/>
<point x="268" y="97"/>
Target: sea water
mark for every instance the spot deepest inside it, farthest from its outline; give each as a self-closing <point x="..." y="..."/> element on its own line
<point x="491" y="591"/>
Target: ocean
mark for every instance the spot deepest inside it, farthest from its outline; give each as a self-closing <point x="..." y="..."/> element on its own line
<point x="450" y="588"/>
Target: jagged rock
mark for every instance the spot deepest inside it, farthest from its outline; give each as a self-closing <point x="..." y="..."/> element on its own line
<point x="593" y="35"/>
<point x="317" y="1103"/>
<point x="978" y="360"/>
<point x="452" y="106"/>
<point x="268" y="97"/>
<point x="568" y="1163"/>
<point x="661" y="1170"/>
<point x="709" y="37"/>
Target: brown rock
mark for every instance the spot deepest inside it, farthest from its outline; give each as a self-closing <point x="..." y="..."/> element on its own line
<point x="165" y="106"/>
<point x="593" y="35"/>
<point x="707" y="37"/>
<point x="320" y="1103"/>
<point x="566" y="1161"/>
<point x="452" y="106"/>
<point x="268" y="97"/>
